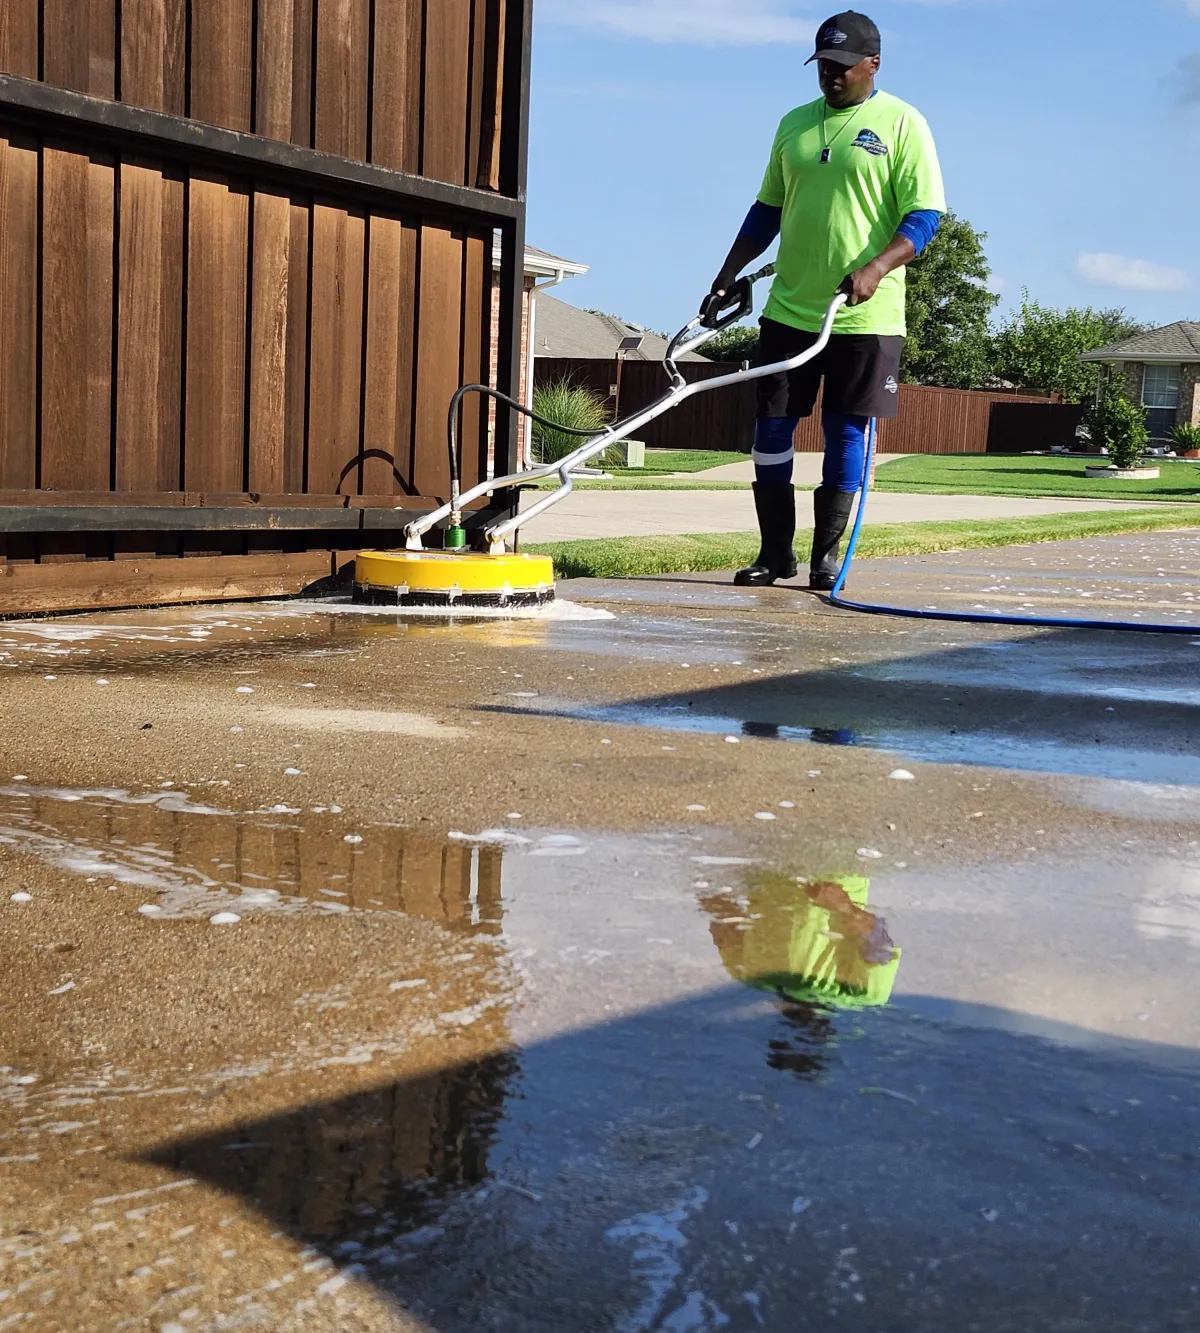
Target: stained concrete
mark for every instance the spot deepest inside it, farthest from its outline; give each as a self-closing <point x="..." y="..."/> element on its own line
<point x="512" y="1032"/>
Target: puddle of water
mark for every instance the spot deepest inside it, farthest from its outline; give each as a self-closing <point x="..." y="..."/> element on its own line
<point x="1029" y="753"/>
<point x="1136" y="800"/>
<point x="691" y="1079"/>
<point x="199" y="861"/>
<point x="370" y="1173"/>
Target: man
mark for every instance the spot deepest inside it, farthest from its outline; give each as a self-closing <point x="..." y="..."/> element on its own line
<point x="854" y="192"/>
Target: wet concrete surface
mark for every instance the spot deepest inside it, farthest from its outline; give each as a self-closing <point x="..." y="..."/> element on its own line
<point x="562" y="995"/>
<point x="1148" y="578"/>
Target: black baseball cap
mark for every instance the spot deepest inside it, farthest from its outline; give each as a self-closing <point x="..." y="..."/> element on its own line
<point x="847" y="39"/>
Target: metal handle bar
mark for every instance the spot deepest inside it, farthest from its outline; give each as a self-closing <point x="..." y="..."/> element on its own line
<point x="686" y="340"/>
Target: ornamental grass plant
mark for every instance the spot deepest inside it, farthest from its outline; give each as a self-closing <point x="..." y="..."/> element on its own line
<point x="572" y="405"/>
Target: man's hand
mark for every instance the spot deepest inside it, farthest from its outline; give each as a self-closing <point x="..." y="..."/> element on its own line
<point x="721" y="284"/>
<point x="862" y="284"/>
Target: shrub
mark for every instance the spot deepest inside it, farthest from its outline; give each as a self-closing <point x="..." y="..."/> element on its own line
<point x="1118" y="425"/>
<point x="572" y="405"/>
<point x="1186" y="438"/>
<point x="736" y="344"/>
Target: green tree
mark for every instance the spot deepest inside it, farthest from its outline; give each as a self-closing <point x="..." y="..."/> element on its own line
<point x="1037" y="348"/>
<point x="949" y="306"/>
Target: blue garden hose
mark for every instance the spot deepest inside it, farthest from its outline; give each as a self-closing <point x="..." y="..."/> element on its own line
<point x="966" y="617"/>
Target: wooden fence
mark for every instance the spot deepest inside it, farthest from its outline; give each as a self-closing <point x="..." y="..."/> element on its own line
<point x="720" y="420"/>
<point x="931" y="421"/>
<point x="247" y="259"/>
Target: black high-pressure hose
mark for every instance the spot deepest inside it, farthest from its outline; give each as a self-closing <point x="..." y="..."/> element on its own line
<point x="736" y="304"/>
<point x="456" y="411"/>
<point x="718" y="312"/>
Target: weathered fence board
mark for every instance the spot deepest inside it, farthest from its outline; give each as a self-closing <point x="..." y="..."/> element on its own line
<point x="149" y="330"/>
<point x="335" y="361"/>
<point x="269" y="304"/>
<point x="153" y="54"/>
<point x="18" y="311"/>
<point x="19" y="28"/>
<point x="342" y="78"/>
<point x="77" y="302"/>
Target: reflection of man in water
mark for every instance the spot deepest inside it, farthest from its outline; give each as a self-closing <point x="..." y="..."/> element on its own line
<point x="814" y="944"/>
<point x="810" y="941"/>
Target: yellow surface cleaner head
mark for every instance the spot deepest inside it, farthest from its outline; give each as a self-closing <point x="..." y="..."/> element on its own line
<point x="453" y="579"/>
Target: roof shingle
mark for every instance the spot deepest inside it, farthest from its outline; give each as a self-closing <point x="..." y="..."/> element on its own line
<point x="1179" y="342"/>
<point x="566" y="331"/>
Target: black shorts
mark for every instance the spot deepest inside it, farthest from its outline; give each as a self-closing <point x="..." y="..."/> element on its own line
<point x="861" y="373"/>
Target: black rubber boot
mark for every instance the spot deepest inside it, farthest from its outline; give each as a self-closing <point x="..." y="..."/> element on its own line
<point x="831" y="512"/>
<point x="775" y="503"/>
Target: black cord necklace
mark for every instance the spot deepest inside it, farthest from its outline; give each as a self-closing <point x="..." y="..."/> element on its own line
<point x="827" y="143"/>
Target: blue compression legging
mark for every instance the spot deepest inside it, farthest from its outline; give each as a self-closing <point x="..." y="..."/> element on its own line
<point x="845" y="450"/>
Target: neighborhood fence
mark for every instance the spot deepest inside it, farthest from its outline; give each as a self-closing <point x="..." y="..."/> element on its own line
<point x="931" y="421"/>
<point x="723" y="420"/>
<point x="247" y="260"/>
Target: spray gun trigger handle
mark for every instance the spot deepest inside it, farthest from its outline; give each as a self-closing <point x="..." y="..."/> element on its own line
<point x="738" y="300"/>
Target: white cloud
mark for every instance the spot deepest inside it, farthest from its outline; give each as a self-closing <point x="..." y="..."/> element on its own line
<point x="1130" y="275"/>
<point x="696" y="22"/>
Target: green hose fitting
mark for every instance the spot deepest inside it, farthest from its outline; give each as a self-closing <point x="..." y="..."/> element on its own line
<point x="455" y="538"/>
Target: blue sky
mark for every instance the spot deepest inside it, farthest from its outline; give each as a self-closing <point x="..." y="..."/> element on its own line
<point x="1069" y="130"/>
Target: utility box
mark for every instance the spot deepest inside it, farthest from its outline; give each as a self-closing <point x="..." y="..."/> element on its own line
<point x="631" y="453"/>
<point x="248" y="257"/>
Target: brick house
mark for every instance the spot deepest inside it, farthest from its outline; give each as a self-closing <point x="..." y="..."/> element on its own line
<point x="1161" y="370"/>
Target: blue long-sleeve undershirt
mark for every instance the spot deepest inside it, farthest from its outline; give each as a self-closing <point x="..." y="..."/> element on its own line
<point x="920" y="228"/>
<point x="764" y="223"/>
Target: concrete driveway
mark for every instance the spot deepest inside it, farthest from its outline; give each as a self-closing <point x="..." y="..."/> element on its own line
<point x="686" y="958"/>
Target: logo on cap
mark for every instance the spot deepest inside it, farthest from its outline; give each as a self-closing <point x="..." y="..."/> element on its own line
<point x="833" y="37"/>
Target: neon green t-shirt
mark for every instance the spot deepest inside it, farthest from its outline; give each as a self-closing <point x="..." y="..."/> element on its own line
<point x="838" y="216"/>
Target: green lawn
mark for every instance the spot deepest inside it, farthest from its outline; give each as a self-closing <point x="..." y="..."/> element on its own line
<point x="1018" y="474"/>
<point x="625" y="557"/>
<point x="640" y="481"/>
<point x="660" y="473"/>
<point x="660" y="461"/>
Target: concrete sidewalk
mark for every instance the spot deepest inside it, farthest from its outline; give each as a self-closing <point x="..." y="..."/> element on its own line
<point x="663" y="513"/>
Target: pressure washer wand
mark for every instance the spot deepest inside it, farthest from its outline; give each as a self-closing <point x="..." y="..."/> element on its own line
<point x="717" y="314"/>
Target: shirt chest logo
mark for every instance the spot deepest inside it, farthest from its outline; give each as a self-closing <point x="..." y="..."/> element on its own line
<point x="870" y="142"/>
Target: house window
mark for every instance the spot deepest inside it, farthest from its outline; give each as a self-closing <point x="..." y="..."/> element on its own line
<point x="1160" y="398"/>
